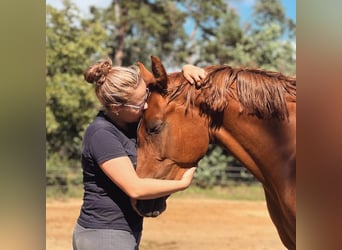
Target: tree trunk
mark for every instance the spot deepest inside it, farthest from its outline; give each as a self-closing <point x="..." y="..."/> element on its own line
<point x="120" y="38"/>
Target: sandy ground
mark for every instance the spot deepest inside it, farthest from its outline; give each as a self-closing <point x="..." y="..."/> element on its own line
<point x="189" y="224"/>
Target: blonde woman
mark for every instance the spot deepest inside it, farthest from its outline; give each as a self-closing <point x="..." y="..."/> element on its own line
<point x="107" y="219"/>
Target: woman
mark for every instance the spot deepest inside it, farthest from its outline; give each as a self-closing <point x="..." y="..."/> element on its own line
<point x="107" y="219"/>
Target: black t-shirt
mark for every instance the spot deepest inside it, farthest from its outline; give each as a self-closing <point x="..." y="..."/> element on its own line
<point x="105" y="205"/>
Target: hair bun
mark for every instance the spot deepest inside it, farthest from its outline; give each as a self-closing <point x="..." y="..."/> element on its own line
<point x="97" y="73"/>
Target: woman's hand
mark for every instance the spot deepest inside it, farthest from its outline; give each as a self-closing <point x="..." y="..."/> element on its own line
<point x="187" y="176"/>
<point x="194" y="74"/>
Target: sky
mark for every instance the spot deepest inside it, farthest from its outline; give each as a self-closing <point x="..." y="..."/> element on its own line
<point x="243" y="7"/>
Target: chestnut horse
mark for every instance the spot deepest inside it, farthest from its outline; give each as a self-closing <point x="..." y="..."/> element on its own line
<point x="250" y="112"/>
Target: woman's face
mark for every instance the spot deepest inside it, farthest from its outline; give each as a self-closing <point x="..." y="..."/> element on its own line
<point x="133" y="109"/>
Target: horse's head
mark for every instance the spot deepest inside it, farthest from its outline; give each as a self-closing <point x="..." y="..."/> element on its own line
<point x="168" y="143"/>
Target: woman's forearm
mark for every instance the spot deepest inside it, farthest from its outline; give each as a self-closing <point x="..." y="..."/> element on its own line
<point x="122" y="173"/>
<point x="153" y="188"/>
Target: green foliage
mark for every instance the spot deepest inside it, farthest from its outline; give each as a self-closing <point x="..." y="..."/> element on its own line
<point x="63" y="176"/>
<point x="218" y="167"/>
<point x="57" y="173"/>
<point x="212" y="168"/>
<point x="139" y="29"/>
<point x="267" y="50"/>
<point x="71" y="44"/>
<point x="261" y="44"/>
<point x="269" y="11"/>
<point x="220" y="48"/>
<point x="190" y="31"/>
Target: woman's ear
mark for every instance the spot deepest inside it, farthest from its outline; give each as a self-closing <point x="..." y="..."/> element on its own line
<point x="114" y="109"/>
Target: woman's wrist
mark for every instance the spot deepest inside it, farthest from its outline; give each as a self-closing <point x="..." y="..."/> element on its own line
<point x="187" y="177"/>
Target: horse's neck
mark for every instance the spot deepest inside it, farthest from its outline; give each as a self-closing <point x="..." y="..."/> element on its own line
<point x="235" y="146"/>
<point x="258" y="144"/>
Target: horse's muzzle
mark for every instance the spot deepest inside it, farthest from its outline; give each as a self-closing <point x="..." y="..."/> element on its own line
<point x="150" y="208"/>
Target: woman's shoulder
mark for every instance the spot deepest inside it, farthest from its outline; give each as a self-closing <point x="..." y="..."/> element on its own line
<point x="99" y="123"/>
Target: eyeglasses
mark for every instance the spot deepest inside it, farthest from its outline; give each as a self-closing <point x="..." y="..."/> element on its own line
<point x="139" y="106"/>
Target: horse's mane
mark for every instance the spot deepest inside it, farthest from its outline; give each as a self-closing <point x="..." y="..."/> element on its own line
<point x="259" y="92"/>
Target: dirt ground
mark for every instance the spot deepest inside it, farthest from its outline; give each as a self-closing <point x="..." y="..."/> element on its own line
<point x="189" y="224"/>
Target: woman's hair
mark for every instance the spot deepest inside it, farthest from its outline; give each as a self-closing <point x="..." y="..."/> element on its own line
<point x="112" y="84"/>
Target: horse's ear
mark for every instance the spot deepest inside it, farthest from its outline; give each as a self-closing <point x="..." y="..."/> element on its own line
<point x="159" y="73"/>
<point x="147" y="75"/>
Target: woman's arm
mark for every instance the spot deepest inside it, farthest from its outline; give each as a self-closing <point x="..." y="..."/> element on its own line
<point x="120" y="170"/>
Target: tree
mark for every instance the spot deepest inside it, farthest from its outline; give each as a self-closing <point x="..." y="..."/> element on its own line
<point x="71" y="44"/>
<point x="270" y="41"/>
<point x="220" y="47"/>
<point x="202" y="19"/>
<point x="139" y="29"/>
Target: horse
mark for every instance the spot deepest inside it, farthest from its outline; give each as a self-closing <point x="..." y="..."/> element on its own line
<point x="249" y="112"/>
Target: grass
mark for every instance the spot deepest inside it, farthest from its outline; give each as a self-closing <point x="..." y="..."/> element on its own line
<point x="252" y="192"/>
<point x="234" y="191"/>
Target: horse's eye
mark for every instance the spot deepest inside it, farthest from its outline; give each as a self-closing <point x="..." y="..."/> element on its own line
<point x="155" y="127"/>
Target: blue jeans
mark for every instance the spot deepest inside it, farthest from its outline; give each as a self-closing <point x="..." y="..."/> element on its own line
<point x="104" y="239"/>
